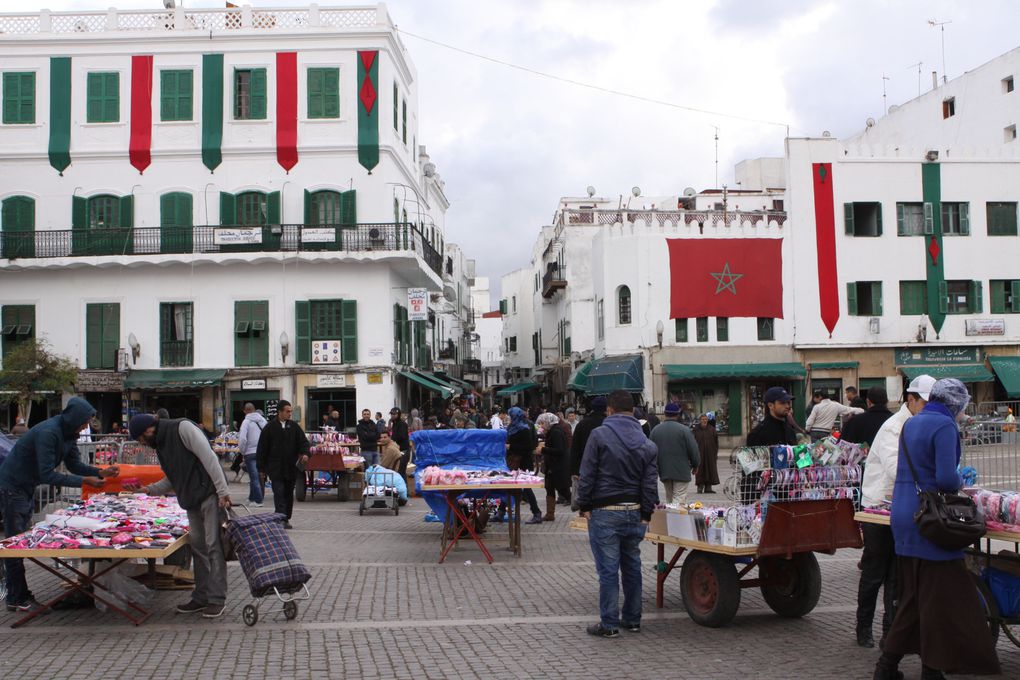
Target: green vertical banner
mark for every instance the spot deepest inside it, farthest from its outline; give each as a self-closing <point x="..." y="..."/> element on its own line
<point x="931" y="192"/>
<point x="368" y="111"/>
<point x="212" y="110"/>
<point x="60" y="113"/>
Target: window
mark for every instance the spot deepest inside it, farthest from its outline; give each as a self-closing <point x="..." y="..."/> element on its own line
<point x="681" y="330"/>
<point x="251" y="209"/>
<point x="862" y="219"/>
<point x="17" y="326"/>
<point x="766" y="329"/>
<point x="513" y="303"/>
<point x="175" y="95"/>
<point x="913" y="297"/>
<point x="401" y="334"/>
<point x="324" y="208"/>
<point x="250" y="94"/>
<point x="251" y="333"/>
<point x="101" y="225"/>
<point x="104" y="212"/>
<point x="623" y="305"/>
<point x="1005" y="296"/>
<point x="960" y="297"/>
<point x="1007" y="84"/>
<point x="864" y="298"/>
<point x="176" y="339"/>
<point x="502" y="307"/>
<point x="396" y="107"/>
<point x="512" y="343"/>
<point x="701" y="328"/>
<point x="832" y="388"/>
<point x="19" y="98"/>
<point x="949" y="107"/>
<point x="1001" y="218"/>
<point x="404" y="119"/>
<point x="722" y="329"/>
<point x="1009" y="133"/>
<point x="323" y="93"/>
<point x="102" y="98"/>
<point x="102" y="335"/>
<point x="956" y="219"/>
<point x="914" y="219"/>
<point x="536" y="348"/>
<point x="600" y="318"/>
<point x="319" y="320"/>
<point x="17" y="225"/>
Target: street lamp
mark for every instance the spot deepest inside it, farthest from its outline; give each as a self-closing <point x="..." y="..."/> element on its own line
<point x="659" y="331"/>
<point x="284" y="346"/>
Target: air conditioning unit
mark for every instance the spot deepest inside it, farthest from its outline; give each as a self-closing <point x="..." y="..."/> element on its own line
<point x="123" y="360"/>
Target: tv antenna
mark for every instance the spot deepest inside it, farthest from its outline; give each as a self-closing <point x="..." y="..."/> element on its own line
<point x="941" y="25"/>
<point x="885" y="108"/>
<point x="918" y="65"/>
<point x="716" y="156"/>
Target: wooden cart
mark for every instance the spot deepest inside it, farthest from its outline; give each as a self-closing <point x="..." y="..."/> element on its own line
<point x="332" y="463"/>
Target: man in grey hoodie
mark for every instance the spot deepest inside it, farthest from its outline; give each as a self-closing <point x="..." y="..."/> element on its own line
<point x="248" y="444"/>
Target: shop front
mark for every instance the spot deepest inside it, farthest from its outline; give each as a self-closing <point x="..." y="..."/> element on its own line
<point x="425" y="393"/>
<point x="1007" y="371"/>
<point x="252" y="391"/>
<point x="610" y="374"/>
<point x="184" y="393"/>
<point x="105" y="391"/>
<point x="963" y="363"/>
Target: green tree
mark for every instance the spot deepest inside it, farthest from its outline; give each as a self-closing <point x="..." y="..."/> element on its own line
<point x="30" y="371"/>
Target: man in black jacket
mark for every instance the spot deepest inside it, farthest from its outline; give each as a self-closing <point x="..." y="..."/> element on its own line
<point x="282" y="447"/>
<point x="591" y="420"/>
<point x="401" y="437"/>
<point x="775" y="429"/>
<point x="368" y="437"/>
<point x="863" y="428"/>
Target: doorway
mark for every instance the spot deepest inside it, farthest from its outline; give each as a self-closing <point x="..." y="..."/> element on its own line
<point x="318" y="403"/>
<point x="258" y="399"/>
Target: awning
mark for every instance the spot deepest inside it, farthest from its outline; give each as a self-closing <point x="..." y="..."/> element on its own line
<point x="440" y="380"/>
<point x="703" y="371"/>
<point x="514" y="389"/>
<point x="1008" y="371"/>
<point x="173" y="379"/>
<point x="620" y="373"/>
<point x="579" y="380"/>
<point x="823" y="365"/>
<point x="443" y="390"/>
<point x="464" y="385"/>
<point x="962" y="372"/>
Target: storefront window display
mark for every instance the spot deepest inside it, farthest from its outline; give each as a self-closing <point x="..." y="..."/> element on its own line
<point x="698" y="399"/>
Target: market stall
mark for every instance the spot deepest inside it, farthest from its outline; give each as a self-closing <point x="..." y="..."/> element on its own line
<point x="332" y="458"/>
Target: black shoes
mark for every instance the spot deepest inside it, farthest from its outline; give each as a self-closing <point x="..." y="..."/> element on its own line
<point x="190" y="607"/>
<point x="597" y="630"/>
<point x="631" y="627"/>
<point x="288" y="525"/>
<point x="864" y="638"/>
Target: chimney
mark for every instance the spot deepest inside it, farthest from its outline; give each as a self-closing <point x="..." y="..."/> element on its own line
<point x="934" y="80"/>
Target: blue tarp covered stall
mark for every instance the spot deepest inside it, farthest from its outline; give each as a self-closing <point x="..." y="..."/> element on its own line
<point x="461" y="449"/>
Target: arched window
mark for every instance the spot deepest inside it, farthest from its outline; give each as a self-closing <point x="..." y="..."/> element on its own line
<point x="175" y="222"/>
<point x="324" y="208"/>
<point x="104" y="212"/>
<point x="623" y="305"/>
<point x="252" y="209"/>
<point x="17" y="221"/>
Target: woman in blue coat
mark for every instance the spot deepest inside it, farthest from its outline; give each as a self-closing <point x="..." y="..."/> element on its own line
<point x="939" y="615"/>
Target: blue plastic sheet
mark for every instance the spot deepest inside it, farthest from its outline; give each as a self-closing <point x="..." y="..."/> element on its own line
<point x="461" y="449"/>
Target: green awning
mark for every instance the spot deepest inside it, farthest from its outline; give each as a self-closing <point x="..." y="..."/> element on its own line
<point x="620" y="373"/>
<point x="441" y="380"/>
<point x="823" y="365"/>
<point x="464" y="385"/>
<point x="514" y="389"/>
<point x="703" y="371"/>
<point x="962" y="372"/>
<point x="173" y="379"/>
<point x="579" y="380"/>
<point x="1008" y="371"/>
<point x="443" y="390"/>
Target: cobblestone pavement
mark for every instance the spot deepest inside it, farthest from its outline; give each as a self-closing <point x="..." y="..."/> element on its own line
<point x="383" y="608"/>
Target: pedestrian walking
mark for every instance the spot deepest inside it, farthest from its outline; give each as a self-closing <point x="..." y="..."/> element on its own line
<point x="521" y="443"/>
<point x="678" y="455"/>
<point x="368" y="437"/>
<point x="708" y="446"/>
<point x="380" y="423"/>
<point x="591" y="420"/>
<point x="248" y="445"/>
<point x="555" y="463"/>
<point x="863" y="428"/>
<point x="415" y="423"/>
<point x="617" y="492"/>
<point x="282" y="455"/>
<point x="824" y="414"/>
<point x="195" y="476"/>
<point x="401" y="437"/>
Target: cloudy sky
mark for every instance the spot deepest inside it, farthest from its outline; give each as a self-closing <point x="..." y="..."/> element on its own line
<point x="509" y="144"/>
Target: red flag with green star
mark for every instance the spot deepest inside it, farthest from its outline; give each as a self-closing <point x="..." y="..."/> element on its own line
<point x="728" y="277"/>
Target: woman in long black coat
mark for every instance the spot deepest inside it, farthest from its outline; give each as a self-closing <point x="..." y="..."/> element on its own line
<point x="708" y="446"/>
<point x="555" y="463"/>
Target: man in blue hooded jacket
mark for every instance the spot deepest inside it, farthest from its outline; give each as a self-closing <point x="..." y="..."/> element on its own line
<point x="617" y="492"/>
<point x="34" y="461"/>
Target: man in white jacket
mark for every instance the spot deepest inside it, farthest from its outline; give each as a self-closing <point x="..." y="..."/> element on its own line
<point x="878" y="562"/>
<point x="247" y="444"/>
<point x="823" y="415"/>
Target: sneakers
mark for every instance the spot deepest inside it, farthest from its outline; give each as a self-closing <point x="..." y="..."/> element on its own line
<point x="597" y="630"/>
<point x="631" y="627"/>
<point x="27" y="607"/>
<point x="190" y="607"/>
<point x="256" y="505"/>
<point x="213" y="611"/>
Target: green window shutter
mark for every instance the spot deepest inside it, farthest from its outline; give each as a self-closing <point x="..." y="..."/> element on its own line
<point x="127" y="212"/>
<point x="349" y="208"/>
<point x="396" y="99"/>
<point x="929" y="218"/>
<point x="901" y="220"/>
<point x="260" y="333"/>
<point x="943" y="297"/>
<point x="315" y="78"/>
<point x="848" y="218"/>
<point x="228" y="209"/>
<point x="258" y="93"/>
<point x="111" y="87"/>
<point x="303" y="332"/>
<point x="876" y="298"/>
<point x="681" y="330"/>
<point x="242" y="333"/>
<point x="79" y="224"/>
<point x="168" y="95"/>
<point x="93" y="336"/>
<point x="851" y="299"/>
<point x="111" y="335"/>
<point x="997" y="293"/>
<point x="977" y="302"/>
<point x="331" y="93"/>
<point x="1014" y="291"/>
<point x="734" y="410"/>
<point x="273" y="207"/>
<point x="878" y="220"/>
<point x="349" y="316"/>
<point x="502" y="307"/>
<point x="18" y="98"/>
<point x="965" y="219"/>
<point x="722" y="329"/>
<point x="308" y="207"/>
<point x="12" y="92"/>
<point x="396" y="331"/>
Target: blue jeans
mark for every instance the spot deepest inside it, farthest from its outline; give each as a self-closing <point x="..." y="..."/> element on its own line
<point x="17" y="507"/>
<point x="256" y="494"/>
<point x="371" y="458"/>
<point x="615" y="537"/>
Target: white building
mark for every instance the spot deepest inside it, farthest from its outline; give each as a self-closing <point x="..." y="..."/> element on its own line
<point x="488" y="338"/>
<point x="201" y="218"/>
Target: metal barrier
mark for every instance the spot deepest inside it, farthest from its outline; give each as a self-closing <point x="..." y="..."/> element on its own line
<point x="994" y="451"/>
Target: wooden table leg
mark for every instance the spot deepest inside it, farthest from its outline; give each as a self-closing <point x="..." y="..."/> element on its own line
<point x="660" y="578"/>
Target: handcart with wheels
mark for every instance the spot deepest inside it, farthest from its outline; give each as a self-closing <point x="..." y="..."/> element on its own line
<point x="338" y="469"/>
<point x="381" y="494"/>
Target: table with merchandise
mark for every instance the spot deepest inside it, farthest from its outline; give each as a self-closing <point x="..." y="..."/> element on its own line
<point x="335" y="454"/>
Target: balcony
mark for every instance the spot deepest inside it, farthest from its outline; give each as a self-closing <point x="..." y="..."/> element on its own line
<point x="205" y="240"/>
<point x="554" y="279"/>
<point x="177" y="353"/>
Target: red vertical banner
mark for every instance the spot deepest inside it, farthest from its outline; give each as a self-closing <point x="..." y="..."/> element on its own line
<point x="140" y="146"/>
<point x="825" y="242"/>
<point x="286" y="109"/>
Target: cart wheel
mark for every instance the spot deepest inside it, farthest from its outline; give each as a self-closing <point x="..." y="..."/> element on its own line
<point x="791" y="587"/>
<point x="300" y="489"/>
<point x="250" y="614"/>
<point x="710" y="588"/>
<point x="290" y="610"/>
<point x="991" y="610"/>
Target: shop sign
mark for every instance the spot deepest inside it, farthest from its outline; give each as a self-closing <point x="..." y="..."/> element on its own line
<point x="417" y="304"/>
<point x="253" y="384"/>
<point x="326" y="352"/>
<point x="331" y="380"/>
<point x="918" y="356"/>
<point x="375" y="378"/>
<point x="376" y="352"/>
<point x="236" y="235"/>
<point x="985" y="326"/>
<point x="272" y="408"/>
<point x="97" y="381"/>
<point x="318" y="234"/>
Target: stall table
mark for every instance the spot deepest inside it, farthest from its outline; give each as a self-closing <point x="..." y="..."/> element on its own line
<point x="332" y="463"/>
<point x="452" y="532"/>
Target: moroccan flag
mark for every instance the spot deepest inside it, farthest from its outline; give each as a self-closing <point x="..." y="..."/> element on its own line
<point x="60" y="113"/>
<point x="286" y="110"/>
<point x="212" y="110"/>
<point x="726" y="277"/>
<point x="368" y="109"/>
<point x="140" y="144"/>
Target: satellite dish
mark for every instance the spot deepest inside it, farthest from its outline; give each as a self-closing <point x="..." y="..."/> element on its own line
<point x="169" y="4"/>
<point x="429" y="169"/>
<point x="894" y="108"/>
<point x="870" y="122"/>
<point x="591" y="191"/>
<point x="826" y="133"/>
<point x="636" y="191"/>
<point x="690" y="192"/>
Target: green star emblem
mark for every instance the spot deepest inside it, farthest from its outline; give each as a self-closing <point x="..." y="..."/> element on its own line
<point x="726" y="280"/>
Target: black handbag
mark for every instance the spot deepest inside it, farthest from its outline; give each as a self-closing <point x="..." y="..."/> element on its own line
<point x="948" y="519"/>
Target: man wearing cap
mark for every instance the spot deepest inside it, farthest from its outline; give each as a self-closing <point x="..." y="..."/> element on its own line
<point x="678" y="454"/>
<point x="823" y="415"/>
<point x="774" y="429"/>
<point x="194" y="474"/>
<point x="878" y="562"/>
